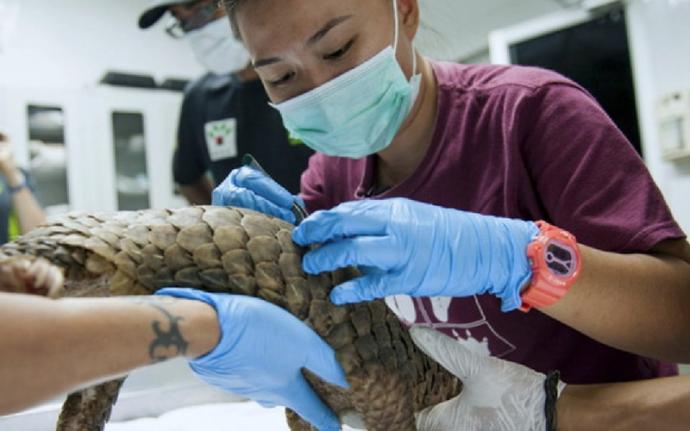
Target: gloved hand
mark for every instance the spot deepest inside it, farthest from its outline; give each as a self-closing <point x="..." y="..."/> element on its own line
<point x="416" y="249"/>
<point x="497" y="395"/>
<point x="260" y="355"/>
<point x="248" y="188"/>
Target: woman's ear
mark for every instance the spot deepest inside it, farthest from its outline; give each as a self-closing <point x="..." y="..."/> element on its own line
<point x="409" y="17"/>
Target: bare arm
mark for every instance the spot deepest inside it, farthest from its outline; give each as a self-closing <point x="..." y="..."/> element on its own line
<point x="107" y="337"/>
<point x="634" y="302"/>
<point x="649" y="405"/>
<point x="29" y="212"/>
<point x="198" y="193"/>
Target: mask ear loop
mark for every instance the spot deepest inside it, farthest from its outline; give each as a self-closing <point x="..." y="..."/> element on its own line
<point x="397" y="26"/>
<point x="397" y="36"/>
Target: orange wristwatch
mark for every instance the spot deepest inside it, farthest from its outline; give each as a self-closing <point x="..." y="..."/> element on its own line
<point x="555" y="261"/>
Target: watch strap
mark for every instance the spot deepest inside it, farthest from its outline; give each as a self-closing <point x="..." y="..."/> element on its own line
<point x="22" y="185"/>
<point x="555" y="261"/>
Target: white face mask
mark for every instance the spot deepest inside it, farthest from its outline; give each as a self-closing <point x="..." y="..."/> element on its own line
<point x="217" y="49"/>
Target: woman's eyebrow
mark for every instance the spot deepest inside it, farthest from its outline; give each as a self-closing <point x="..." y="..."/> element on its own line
<point x="326" y="28"/>
<point x="312" y="40"/>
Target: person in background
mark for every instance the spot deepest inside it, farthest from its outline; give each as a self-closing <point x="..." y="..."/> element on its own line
<point x="225" y="113"/>
<point x="19" y="210"/>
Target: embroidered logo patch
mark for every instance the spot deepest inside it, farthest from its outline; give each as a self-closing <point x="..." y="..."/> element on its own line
<point x="221" y="139"/>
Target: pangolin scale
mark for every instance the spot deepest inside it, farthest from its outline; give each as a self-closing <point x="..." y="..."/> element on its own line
<point x="241" y="252"/>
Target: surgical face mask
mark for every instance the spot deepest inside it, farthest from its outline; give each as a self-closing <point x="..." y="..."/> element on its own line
<point x="358" y="113"/>
<point x="217" y="49"/>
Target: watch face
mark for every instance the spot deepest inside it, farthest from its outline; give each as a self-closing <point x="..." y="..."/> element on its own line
<point x="560" y="258"/>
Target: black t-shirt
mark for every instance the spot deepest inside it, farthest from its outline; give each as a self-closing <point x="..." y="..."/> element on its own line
<point x="222" y="119"/>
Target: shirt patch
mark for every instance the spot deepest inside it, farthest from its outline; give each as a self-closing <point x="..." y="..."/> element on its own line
<point x="221" y="139"/>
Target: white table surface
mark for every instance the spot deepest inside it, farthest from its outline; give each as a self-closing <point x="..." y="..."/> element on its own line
<point x="211" y="417"/>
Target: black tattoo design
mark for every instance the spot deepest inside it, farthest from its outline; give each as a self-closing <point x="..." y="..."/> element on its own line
<point x="166" y="339"/>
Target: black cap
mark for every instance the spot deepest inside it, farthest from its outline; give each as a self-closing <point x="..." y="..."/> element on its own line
<point x="157" y="9"/>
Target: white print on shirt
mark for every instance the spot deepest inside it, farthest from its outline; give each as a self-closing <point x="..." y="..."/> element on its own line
<point x="221" y="139"/>
<point x="440" y="305"/>
<point x="472" y="344"/>
<point x="403" y="307"/>
<point x="475" y="328"/>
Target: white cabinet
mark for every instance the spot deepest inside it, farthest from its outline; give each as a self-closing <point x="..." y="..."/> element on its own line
<point x="135" y="134"/>
<point x="95" y="149"/>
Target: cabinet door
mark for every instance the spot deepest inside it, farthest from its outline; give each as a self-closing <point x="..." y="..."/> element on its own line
<point x="134" y="131"/>
<point x="131" y="173"/>
<point x="48" y="156"/>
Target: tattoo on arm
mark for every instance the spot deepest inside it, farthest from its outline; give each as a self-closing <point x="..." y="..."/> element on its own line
<point x="167" y="343"/>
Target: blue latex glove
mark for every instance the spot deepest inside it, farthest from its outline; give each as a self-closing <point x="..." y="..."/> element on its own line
<point x="248" y="188"/>
<point x="260" y="355"/>
<point x="411" y="248"/>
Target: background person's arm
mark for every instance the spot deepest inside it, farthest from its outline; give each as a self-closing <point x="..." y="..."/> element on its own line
<point x="52" y="347"/>
<point x="198" y="193"/>
<point x="26" y="207"/>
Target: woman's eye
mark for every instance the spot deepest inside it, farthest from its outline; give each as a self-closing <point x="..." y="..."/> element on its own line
<point x="339" y="53"/>
<point x="283" y="79"/>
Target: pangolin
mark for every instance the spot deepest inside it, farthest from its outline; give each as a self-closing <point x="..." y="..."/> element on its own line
<point x="223" y="249"/>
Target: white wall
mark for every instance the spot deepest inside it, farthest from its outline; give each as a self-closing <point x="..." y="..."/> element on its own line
<point x="458" y="29"/>
<point x="660" y="39"/>
<point x="54" y="53"/>
<point x="70" y="43"/>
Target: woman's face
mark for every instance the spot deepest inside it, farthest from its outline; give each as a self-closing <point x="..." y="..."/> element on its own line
<point x="298" y="45"/>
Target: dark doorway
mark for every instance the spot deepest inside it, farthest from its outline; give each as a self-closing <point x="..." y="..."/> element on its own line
<point x="596" y="55"/>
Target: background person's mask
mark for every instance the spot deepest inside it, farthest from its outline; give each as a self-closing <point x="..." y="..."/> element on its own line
<point x="359" y="112"/>
<point x="216" y="48"/>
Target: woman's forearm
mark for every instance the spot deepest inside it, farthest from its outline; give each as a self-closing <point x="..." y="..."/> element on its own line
<point x="649" y="405"/>
<point x="636" y="302"/>
<point x="51" y="347"/>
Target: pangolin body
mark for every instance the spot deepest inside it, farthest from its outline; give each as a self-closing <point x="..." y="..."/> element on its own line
<point x="241" y="252"/>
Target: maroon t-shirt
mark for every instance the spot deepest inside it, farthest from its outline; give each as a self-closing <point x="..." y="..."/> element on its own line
<point x="522" y="143"/>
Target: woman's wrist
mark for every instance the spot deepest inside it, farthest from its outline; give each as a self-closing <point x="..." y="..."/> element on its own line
<point x="564" y="409"/>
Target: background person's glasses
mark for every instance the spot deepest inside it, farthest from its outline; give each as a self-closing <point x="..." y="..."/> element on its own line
<point x="204" y="13"/>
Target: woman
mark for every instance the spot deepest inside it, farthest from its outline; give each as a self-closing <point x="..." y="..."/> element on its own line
<point x="519" y="144"/>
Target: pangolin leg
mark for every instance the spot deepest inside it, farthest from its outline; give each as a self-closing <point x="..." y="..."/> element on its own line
<point x="89" y="409"/>
<point x="384" y="399"/>
<point x="18" y="274"/>
<point x="296" y="423"/>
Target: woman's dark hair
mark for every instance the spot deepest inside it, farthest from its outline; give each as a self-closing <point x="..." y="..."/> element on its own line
<point x="230" y="7"/>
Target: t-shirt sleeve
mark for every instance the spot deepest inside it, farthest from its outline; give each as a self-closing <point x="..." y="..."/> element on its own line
<point x="588" y="176"/>
<point x="188" y="162"/>
<point x="312" y="185"/>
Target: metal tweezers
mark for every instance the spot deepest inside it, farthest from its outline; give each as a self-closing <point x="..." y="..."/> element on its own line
<point x="299" y="212"/>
